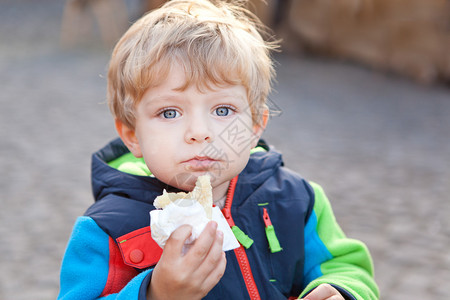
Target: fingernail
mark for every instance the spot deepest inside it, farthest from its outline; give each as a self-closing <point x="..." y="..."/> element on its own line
<point x="219" y="234"/>
<point x="213" y="224"/>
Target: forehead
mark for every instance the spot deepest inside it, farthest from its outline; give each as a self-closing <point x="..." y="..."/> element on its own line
<point x="199" y="66"/>
<point x="179" y="76"/>
<point x="174" y="87"/>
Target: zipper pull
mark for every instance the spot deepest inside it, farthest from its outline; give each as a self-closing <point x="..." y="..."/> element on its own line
<point x="242" y="238"/>
<point x="274" y="244"/>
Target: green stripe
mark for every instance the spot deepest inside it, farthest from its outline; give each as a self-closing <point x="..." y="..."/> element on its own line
<point x="257" y="149"/>
<point x="351" y="266"/>
<point x="130" y="164"/>
<point x="328" y="230"/>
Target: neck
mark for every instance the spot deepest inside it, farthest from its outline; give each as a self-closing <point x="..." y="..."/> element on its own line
<point x="220" y="192"/>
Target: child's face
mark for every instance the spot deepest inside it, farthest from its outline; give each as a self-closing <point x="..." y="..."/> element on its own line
<point x="185" y="134"/>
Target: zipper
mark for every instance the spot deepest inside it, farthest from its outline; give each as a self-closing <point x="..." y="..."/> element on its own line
<point x="272" y="239"/>
<point x="240" y="253"/>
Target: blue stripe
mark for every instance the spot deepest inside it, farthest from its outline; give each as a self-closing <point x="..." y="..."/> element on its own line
<point x="315" y="251"/>
<point x="86" y="262"/>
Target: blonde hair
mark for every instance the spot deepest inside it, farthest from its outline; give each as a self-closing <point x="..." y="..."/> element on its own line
<point x="216" y="43"/>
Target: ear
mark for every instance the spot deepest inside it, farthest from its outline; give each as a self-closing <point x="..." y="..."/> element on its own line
<point x="129" y="138"/>
<point x="259" y="128"/>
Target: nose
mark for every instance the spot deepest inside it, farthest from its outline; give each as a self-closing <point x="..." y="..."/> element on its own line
<point x="198" y="131"/>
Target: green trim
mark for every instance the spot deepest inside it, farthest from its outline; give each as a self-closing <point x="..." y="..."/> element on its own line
<point x="127" y="157"/>
<point x="257" y="149"/>
<point x="274" y="244"/>
<point x="130" y="164"/>
<point x="242" y="238"/>
<point x="263" y="204"/>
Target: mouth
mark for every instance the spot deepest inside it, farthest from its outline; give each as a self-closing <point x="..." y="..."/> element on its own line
<point x="200" y="163"/>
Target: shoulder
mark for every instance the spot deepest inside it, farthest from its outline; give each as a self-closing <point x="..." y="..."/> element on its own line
<point x="321" y="202"/>
<point x="117" y="215"/>
<point x="86" y="237"/>
<point x="265" y="172"/>
<point x="86" y="226"/>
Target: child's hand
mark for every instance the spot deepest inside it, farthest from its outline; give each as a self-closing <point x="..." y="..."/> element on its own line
<point x="193" y="275"/>
<point x="324" y="292"/>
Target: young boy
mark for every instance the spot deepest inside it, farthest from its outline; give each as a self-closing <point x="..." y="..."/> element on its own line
<point x="187" y="85"/>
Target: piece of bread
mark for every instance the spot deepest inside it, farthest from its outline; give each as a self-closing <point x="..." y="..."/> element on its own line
<point x="201" y="193"/>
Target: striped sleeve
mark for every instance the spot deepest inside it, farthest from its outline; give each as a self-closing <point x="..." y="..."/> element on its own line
<point x="331" y="257"/>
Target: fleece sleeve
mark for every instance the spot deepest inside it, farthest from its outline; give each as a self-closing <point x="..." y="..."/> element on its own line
<point x="84" y="270"/>
<point x="331" y="257"/>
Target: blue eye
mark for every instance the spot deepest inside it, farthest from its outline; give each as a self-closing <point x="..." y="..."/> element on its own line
<point x="222" y="111"/>
<point x="170" y="114"/>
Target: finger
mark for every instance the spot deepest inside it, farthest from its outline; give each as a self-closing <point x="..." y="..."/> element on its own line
<point x="216" y="274"/>
<point x="323" y="291"/>
<point x="202" y="245"/>
<point x="213" y="267"/>
<point x="214" y="256"/>
<point x="215" y="252"/>
<point x="174" y="244"/>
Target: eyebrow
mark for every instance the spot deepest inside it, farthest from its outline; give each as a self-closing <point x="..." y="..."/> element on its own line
<point x="212" y="95"/>
<point x="228" y="95"/>
<point x="163" y="98"/>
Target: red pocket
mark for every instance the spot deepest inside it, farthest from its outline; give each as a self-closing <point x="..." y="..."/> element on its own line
<point x="138" y="249"/>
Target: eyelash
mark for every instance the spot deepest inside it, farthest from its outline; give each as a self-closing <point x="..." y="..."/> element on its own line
<point x="229" y="107"/>
<point x="162" y="112"/>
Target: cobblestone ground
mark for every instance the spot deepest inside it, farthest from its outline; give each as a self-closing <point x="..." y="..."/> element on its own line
<point x="379" y="145"/>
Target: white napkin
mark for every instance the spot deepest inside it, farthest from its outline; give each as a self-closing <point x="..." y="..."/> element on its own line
<point x="186" y="211"/>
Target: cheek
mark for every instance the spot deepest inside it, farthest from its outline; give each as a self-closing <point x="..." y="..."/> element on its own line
<point x="242" y="159"/>
<point x="157" y="148"/>
<point x="234" y="157"/>
<point x="237" y="138"/>
<point x="156" y="158"/>
<point x="150" y="142"/>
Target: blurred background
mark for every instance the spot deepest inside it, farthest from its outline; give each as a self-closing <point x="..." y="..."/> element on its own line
<point x="363" y="98"/>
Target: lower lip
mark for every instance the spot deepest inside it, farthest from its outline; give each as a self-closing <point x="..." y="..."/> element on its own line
<point x="199" y="164"/>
